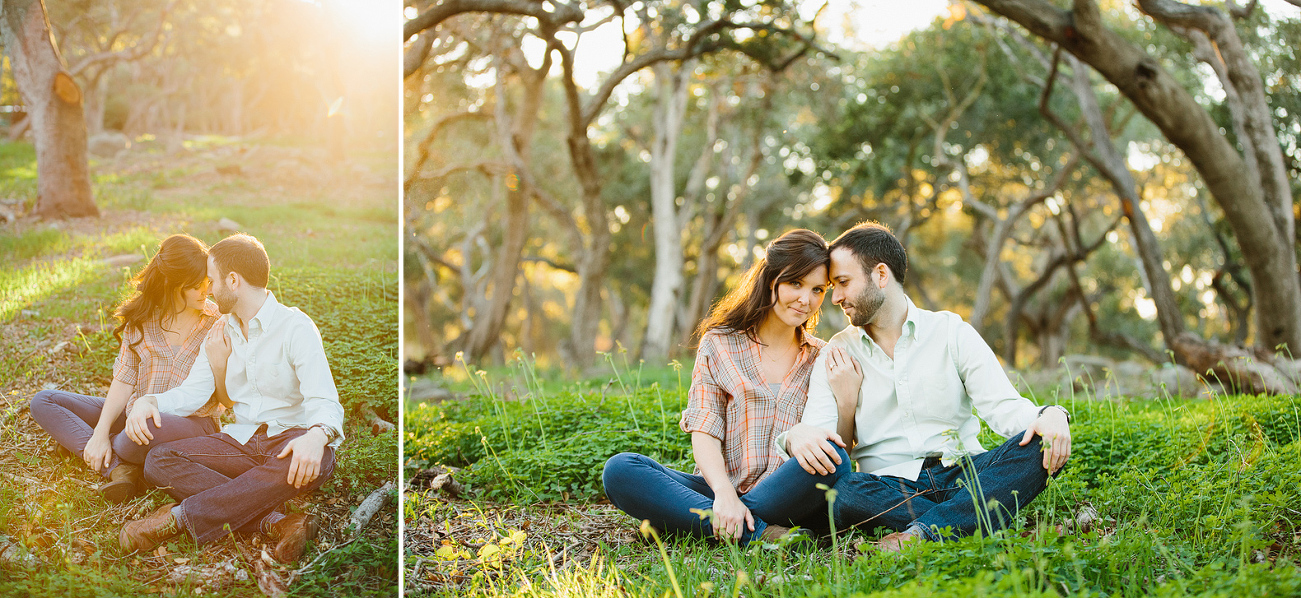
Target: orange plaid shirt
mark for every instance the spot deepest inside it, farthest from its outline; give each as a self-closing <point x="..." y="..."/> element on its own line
<point x="730" y="401"/>
<point x="154" y="366"/>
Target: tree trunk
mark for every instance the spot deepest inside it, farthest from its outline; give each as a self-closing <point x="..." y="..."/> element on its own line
<point x="96" y="102"/>
<point x="670" y="108"/>
<point x="514" y="136"/>
<point x="1202" y="356"/>
<point x="417" y="297"/>
<point x="54" y="105"/>
<point x="1158" y="95"/>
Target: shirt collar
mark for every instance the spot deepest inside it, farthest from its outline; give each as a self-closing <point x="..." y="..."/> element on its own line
<point x="267" y="313"/>
<point x="806" y="340"/>
<point x="910" y="324"/>
<point x="262" y="319"/>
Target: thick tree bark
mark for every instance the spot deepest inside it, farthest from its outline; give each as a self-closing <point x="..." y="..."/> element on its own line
<point x="54" y="105"/>
<point x="1271" y="256"/>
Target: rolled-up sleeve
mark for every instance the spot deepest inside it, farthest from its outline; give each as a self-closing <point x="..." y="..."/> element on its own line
<point x="992" y="394"/>
<point x="706" y="401"/>
<point x="315" y="382"/>
<point x="126" y="368"/>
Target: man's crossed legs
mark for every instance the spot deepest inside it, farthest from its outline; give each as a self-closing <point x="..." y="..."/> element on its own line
<point x="224" y="486"/>
<point x="1009" y="477"/>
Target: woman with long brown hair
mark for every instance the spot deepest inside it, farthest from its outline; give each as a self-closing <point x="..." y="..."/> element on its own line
<point x="749" y="384"/>
<point x="163" y="325"/>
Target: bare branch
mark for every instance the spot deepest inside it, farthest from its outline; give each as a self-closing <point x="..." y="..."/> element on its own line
<point x="445" y="9"/>
<point x="422" y="150"/>
<point x="415" y="54"/>
<point x="132" y="52"/>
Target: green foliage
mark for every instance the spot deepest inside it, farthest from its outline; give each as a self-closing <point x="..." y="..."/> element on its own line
<point x="356" y="312"/>
<point x="547" y="447"/>
<point x="1190" y="498"/>
<point x="358" y="569"/>
<point x="365" y="461"/>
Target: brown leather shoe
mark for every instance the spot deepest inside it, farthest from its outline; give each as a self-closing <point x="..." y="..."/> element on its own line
<point x="773" y="533"/>
<point x="144" y="534"/>
<point x="292" y="535"/>
<point x="126" y="482"/>
<point x="895" y="542"/>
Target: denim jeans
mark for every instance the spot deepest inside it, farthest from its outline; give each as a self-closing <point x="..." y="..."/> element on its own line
<point x="1012" y="475"/>
<point x="643" y="488"/>
<point x="70" y="419"/>
<point x="225" y="486"/>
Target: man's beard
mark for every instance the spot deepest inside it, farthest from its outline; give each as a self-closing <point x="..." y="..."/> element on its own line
<point x="225" y="299"/>
<point x="865" y="305"/>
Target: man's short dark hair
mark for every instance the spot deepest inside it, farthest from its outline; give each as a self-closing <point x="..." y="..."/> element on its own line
<point x="244" y="255"/>
<point x="872" y="243"/>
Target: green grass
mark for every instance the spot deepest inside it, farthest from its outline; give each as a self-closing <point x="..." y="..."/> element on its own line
<point x="333" y="250"/>
<point x="1194" y="498"/>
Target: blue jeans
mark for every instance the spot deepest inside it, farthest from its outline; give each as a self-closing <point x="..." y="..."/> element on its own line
<point x="1012" y="475"/>
<point x="225" y="486"/>
<point x="70" y="419"/>
<point x="647" y="490"/>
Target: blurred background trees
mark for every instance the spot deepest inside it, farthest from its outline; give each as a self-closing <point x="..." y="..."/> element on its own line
<point x="564" y="210"/>
<point x="163" y="72"/>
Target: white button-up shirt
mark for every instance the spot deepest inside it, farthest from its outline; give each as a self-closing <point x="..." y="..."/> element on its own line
<point x="920" y="403"/>
<point x="277" y="376"/>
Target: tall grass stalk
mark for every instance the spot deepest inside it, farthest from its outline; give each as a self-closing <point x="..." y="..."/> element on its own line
<point x="535" y="393"/>
<point x="648" y="530"/>
<point x="627" y="396"/>
<point x="506" y="472"/>
<point x="837" y="563"/>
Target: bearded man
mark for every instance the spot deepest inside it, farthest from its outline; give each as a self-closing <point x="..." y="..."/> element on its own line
<point x="911" y="428"/>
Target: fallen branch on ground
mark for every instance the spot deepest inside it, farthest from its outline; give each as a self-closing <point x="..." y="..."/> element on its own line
<point x="369" y="507"/>
<point x="377" y="423"/>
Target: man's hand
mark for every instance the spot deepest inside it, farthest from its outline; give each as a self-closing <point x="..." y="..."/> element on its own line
<point x="1056" y="433"/>
<point x="845" y="377"/>
<point x="98" y="452"/>
<point x="808" y="445"/>
<point x="730" y="514"/>
<point x="307" y="451"/>
<point x="137" y="424"/>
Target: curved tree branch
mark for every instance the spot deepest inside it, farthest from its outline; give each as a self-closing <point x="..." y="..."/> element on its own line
<point x="446" y="9"/>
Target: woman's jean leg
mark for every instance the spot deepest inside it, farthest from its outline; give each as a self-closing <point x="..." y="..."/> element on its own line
<point x="70" y="419"/>
<point x="644" y="489"/>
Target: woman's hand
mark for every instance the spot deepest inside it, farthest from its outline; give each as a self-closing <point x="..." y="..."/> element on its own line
<point x="731" y="517"/>
<point x="98" y="452"/>
<point x="845" y="377"/>
<point x="217" y="345"/>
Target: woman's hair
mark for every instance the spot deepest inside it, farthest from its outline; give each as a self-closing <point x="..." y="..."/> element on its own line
<point x="788" y="258"/>
<point x="181" y="263"/>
